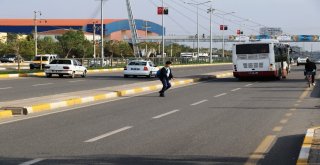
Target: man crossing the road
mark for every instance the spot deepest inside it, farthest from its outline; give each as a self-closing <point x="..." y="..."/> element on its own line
<point x="165" y="75"/>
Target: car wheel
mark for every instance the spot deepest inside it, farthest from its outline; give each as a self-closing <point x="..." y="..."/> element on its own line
<point x="84" y="74"/>
<point x="73" y="75"/>
<point x="49" y="75"/>
<point x="125" y="76"/>
<point x="60" y="75"/>
<point x="150" y="75"/>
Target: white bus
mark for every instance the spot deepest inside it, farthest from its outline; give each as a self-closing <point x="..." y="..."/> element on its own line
<point x="266" y="58"/>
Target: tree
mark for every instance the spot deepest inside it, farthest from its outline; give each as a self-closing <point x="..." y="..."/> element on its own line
<point x="72" y="41"/>
<point x="47" y="46"/>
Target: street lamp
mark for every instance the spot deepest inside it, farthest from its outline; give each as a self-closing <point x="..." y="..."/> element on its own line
<point x="197" y="5"/>
<point x="210" y="11"/>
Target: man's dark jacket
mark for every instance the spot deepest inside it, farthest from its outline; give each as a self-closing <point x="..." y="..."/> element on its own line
<point x="163" y="73"/>
<point x="310" y="66"/>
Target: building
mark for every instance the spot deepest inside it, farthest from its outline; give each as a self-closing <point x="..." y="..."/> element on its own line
<point x="115" y="29"/>
<point x="271" y="31"/>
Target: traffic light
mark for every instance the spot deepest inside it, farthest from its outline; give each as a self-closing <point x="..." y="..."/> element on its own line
<point x="165" y="11"/>
<point x="223" y="27"/>
<point x="160" y="10"/>
<point x="239" y="32"/>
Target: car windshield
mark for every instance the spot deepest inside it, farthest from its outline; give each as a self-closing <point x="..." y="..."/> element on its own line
<point x="140" y="63"/>
<point x="38" y="58"/>
<point x="61" y="62"/>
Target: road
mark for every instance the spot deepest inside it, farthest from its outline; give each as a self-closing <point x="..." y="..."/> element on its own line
<point x="30" y="87"/>
<point x="222" y="121"/>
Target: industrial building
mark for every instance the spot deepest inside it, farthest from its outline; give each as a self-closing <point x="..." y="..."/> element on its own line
<point x="115" y="29"/>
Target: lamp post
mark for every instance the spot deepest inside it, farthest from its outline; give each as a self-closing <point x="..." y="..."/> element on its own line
<point x="162" y="17"/>
<point x="198" y="39"/>
<point x="146" y="35"/>
<point x="210" y="11"/>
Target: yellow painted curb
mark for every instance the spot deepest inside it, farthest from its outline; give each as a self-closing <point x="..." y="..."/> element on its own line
<point x="76" y="101"/>
<point x="5" y="114"/>
<point x="306" y="146"/>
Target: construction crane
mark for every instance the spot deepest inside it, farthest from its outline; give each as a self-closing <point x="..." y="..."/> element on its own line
<point x="133" y="29"/>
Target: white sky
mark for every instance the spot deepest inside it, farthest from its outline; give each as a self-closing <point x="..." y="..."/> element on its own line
<point x="294" y="16"/>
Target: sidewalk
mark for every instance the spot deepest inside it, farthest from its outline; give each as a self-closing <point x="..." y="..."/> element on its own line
<point x="310" y="150"/>
<point x="51" y="102"/>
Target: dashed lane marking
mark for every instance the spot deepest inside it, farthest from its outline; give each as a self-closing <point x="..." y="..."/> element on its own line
<point x="233" y="90"/>
<point x="288" y="114"/>
<point x="293" y="109"/>
<point x="108" y="134"/>
<point x="296" y="105"/>
<point x="199" y="102"/>
<point x="166" y="114"/>
<point x="5" y="88"/>
<point x="277" y="129"/>
<point x="261" y="150"/>
<point x="35" y="85"/>
<point x="76" y="81"/>
<point x="283" y="121"/>
<point x="248" y="85"/>
<point x="222" y="94"/>
<point x="34" y="161"/>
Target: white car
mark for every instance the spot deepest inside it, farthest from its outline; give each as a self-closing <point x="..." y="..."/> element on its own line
<point x="140" y="68"/>
<point x="301" y="60"/>
<point x="61" y="67"/>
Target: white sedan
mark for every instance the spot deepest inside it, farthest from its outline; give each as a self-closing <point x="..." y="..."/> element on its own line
<point x="140" y="68"/>
<point x="61" y="67"/>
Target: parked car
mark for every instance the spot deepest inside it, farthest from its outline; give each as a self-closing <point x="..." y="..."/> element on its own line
<point x="11" y="58"/>
<point x="301" y="60"/>
<point x="140" y="68"/>
<point x="61" y="67"/>
<point x="46" y="59"/>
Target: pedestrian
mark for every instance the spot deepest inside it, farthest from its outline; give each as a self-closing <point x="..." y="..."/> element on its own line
<point x="165" y="75"/>
<point x="311" y="67"/>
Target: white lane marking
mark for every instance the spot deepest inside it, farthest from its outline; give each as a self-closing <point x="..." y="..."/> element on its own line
<point x="34" y="161"/>
<point x="199" y="102"/>
<point x="75" y="81"/>
<point x="166" y="114"/>
<point x="82" y="106"/>
<point x="284" y="121"/>
<point x="248" y="85"/>
<point x="5" y="88"/>
<point x="222" y="94"/>
<point x="233" y="90"/>
<point x="35" y="85"/>
<point x="108" y="134"/>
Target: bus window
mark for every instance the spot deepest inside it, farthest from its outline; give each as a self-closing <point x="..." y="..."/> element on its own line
<point x="252" y="48"/>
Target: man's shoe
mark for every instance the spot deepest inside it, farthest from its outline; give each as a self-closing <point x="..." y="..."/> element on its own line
<point x="314" y="84"/>
<point x="161" y="94"/>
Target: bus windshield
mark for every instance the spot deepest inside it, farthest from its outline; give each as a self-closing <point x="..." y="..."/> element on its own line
<point x="252" y="48"/>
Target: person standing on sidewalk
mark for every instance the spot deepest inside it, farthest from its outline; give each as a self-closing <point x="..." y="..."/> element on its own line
<point x="165" y="75"/>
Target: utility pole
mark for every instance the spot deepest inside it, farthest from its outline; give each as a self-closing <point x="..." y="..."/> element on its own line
<point x="94" y="39"/>
<point x="198" y="39"/>
<point x="102" y="31"/>
<point x="163" y="60"/>
<point x="210" y="11"/>
<point x="146" y="34"/>
<point x="36" y="36"/>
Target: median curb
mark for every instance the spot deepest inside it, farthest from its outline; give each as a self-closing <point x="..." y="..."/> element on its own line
<point x="42" y="74"/>
<point x="122" y="93"/>
<point x="5" y="114"/>
<point x="304" y="154"/>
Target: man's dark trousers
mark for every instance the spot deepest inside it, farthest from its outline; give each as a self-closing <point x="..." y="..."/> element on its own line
<point x="165" y="83"/>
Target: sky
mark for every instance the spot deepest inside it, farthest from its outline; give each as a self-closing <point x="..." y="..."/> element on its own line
<point x="293" y="16"/>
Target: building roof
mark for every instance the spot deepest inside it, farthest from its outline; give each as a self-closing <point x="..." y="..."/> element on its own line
<point x="53" y="22"/>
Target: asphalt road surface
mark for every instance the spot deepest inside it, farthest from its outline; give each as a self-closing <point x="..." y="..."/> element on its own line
<point x="22" y="88"/>
<point x="221" y="121"/>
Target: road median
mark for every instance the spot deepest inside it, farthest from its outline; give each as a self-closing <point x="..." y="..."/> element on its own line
<point x="46" y="103"/>
<point x="310" y="149"/>
<point x="42" y="74"/>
